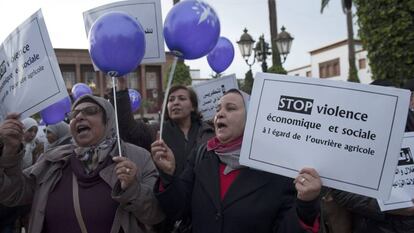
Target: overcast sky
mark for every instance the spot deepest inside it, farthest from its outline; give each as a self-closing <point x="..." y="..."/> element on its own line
<point x="301" y="18"/>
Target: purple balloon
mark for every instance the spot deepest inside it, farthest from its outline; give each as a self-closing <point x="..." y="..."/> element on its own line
<point x="221" y="57"/>
<point x="80" y="89"/>
<point x="135" y="99"/>
<point x="56" y="112"/>
<point x="117" y="43"/>
<point x="191" y="28"/>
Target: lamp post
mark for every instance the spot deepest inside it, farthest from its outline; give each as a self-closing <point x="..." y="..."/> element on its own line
<point x="284" y="42"/>
<point x="246" y="46"/>
<point x="261" y="51"/>
<point x="262" y="48"/>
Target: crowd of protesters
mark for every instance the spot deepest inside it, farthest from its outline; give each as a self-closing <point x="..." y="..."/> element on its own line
<point x="188" y="179"/>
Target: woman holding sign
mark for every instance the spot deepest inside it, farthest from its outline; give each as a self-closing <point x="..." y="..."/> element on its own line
<point x="84" y="186"/>
<point x="223" y="196"/>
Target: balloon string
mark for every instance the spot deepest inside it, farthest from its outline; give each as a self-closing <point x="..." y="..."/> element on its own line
<point x="167" y="90"/>
<point x="116" y="118"/>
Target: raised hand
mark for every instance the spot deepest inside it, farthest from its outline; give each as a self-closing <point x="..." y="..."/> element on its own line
<point x="11" y="134"/>
<point x="163" y="157"/>
<point x="126" y="171"/>
<point x="308" y="184"/>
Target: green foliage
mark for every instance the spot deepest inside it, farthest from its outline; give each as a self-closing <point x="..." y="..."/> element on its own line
<point x="277" y="69"/>
<point x="181" y="75"/>
<point x="387" y="33"/>
<point x="248" y="83"/>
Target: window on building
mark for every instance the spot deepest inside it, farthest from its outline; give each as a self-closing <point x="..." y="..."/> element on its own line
<point x="362" y="63"/>
<point x="133" y="80"/>
<point x="329" y="68"/>
<point x="308" y="74"/>
<point x="89" y="77"/>
<point x="69" y="75"/>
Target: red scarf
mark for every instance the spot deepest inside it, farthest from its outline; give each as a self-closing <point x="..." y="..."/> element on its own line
<point x="217" y="146"/>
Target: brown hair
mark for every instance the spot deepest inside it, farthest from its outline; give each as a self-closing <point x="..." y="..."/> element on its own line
<point x="195" y="114"/>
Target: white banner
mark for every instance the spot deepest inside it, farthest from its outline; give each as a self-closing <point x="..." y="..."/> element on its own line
<point x="402" y="191"/>
<point x="350" y="133"/>
<point x="148" y="14"/>
<point x="209" y="92"/>
<point x="30" y="78"/>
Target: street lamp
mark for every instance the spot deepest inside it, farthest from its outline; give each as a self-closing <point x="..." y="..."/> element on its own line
<point x="262" y="48"/>
<point x="246" y="45"/>
<point x="261" y="51"/>
<point x="283" y="43"/>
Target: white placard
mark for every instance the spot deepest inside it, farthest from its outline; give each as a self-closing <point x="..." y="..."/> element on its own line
<point x="402" y="191"/>
<point x="209" y="92"/>
<point x="350" y="133"/>
<point x="148" y="14"/>
<point x="30" y="78"/>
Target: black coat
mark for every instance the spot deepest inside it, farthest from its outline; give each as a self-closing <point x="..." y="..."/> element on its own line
<point x="256" y="202"/>
<point x="199" y="133"/>
<point x="133" y="131"/>
<point x="367" y="216"/>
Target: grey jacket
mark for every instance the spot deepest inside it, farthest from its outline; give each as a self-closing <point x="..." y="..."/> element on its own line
<point x="138" y="208"/>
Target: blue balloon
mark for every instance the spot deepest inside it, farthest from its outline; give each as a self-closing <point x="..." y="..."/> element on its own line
<point x="56" y="112"/>
<point x="117" y="43"/>
<point x="221" y="57"/>
<point x="192" y="29"/>
<point x="80" y="89"/>
<point x="135" y="99"/>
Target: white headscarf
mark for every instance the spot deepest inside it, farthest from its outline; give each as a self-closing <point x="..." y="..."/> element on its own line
<point x="28" y="146"/>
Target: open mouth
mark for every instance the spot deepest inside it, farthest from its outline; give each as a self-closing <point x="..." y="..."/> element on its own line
<point x="82" y="128"/>
<point x="176" y="110"/>
<point x="221" y="125"/>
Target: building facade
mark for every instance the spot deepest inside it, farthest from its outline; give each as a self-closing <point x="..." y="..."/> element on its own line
<point x="331" y="62"/>
<point x="77" y="67"/>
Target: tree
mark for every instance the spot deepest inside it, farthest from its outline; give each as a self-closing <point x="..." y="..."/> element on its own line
<point x="277" y="70"/>
<point x="273" y="32"/>
<point x="181" y="75"/>
<point x="387" y="33"/>
<point x="248" y="82"/>
<point x="347" y="8"/>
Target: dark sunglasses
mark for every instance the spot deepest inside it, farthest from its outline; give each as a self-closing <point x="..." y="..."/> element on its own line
<point x="87" y="111"/>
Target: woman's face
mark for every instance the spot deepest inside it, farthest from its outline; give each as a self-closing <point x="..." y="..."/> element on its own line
<point x="51" y="137"/>
<point x="179" y="105"/>
<point x="86" y="125"/>
<point x="230" y="118"/>
<point x="30" y="134"/>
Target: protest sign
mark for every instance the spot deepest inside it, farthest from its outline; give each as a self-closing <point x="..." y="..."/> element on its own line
<point x="148" y="14"/>
<point x="350" y="133"/>
<point x="30" y="78"/>
<point x="209" y="92"/>
<point x="402" y="191"/>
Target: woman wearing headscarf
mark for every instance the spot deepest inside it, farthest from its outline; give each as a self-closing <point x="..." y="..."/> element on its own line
<point x="58" y="134"/>
<point x="223" y="196"/>
<point x="85" y="186"/>
<point x="33" y="147"/>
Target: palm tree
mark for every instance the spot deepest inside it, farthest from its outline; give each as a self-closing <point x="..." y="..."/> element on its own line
<point x="273" y="32"/>
<point x="347" y="8"/>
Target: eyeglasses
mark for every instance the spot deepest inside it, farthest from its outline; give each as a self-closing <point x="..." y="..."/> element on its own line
<point x="87" y="111"/>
